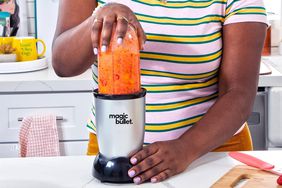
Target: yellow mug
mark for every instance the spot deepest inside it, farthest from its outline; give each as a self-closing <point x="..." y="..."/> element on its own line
<point x="26" y="48"/>
<point x="6" y="40"/>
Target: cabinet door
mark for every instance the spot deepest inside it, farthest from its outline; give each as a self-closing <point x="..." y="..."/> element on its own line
<point x="275" y="117"/>
<point x="257" y="122"/>
<point x="66" y="149"/>
<point x="72" y="110"/>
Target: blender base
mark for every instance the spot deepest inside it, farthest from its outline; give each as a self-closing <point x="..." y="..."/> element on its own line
<point x="112" y="170"/>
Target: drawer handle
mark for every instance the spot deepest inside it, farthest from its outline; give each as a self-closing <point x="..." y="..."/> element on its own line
<point x="58" y="118"/>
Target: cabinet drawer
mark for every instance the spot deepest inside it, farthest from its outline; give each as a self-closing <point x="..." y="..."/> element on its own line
<point x="72" y="110"/>
<point x="257" y="122"/>
<point x="274" y="117"/>
<point x="66" y="149"/>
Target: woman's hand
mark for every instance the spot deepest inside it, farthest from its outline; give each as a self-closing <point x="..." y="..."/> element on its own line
<point x="105" y="17"/>
<point x="159" y="161"/>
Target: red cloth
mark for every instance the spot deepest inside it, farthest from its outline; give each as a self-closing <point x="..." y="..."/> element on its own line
<point x="39" y="136"/>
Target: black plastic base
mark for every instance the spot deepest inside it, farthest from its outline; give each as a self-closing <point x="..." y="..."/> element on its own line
<point x="113" y="170"/>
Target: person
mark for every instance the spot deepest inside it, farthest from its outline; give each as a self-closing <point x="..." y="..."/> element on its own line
<point x="200" y="66"/>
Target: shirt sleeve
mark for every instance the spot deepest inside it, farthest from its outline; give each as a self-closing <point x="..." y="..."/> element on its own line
<point x="245" y="11"/>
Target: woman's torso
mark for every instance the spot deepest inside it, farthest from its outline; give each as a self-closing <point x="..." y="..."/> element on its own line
<point x="180" y="62"/>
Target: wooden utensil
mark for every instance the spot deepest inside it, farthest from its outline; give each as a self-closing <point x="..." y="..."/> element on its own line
<point x="255" y="178"/>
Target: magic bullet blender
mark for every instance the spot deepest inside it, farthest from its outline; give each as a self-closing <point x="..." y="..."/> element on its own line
<point x="120" y="109"/>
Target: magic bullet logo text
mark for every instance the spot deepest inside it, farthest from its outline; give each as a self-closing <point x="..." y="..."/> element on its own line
<point x="121" y="119"/>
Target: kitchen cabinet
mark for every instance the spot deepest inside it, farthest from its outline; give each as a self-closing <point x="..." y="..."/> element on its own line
<point x="67" y="148"/>
<point x="69" y="99"/>
<point x="258" y="120"/>
<point x="274" y="119"/>
<point x="274" y="98"/>
<point x="71" y="108"/>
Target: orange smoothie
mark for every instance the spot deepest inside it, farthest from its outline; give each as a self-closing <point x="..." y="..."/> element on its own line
<point x="119" y="66"/>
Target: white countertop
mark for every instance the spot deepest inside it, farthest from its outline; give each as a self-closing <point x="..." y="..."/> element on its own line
<point x="274" y="63"/>
<point x="76" y="171"/>
<point x="47" y="81"/>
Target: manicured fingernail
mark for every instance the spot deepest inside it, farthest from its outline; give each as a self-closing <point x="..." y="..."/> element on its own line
<point x="133" y="160"/>
<point x="154" y="180"/>
<point x="119" y="41"/>
<point x="131" y="173"/>
<point x="95" y="50"/>
<point x="137" y="180"/>
<point x="130" y="36"/>
<point x="104" y="48"/>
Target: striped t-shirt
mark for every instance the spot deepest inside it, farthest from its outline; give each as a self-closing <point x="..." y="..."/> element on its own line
<point x="181" y="58"/>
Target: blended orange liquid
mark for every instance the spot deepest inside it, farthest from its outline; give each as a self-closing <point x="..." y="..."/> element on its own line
<point x="119" y="66"/>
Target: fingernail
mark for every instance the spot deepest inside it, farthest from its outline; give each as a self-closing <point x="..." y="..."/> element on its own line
<point x="133" y="160"/>
<point x="130" y="36"/>
<point x="119" y="41"/>
<point x="154" y="180"/>
<point x="131" y="173"/>
<point x="137" y="180"/>
<point x="104" y="48"/>
<point x="95" y="50"/>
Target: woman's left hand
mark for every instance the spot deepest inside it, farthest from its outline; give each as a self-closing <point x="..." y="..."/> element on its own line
<point x="159" y="161"/>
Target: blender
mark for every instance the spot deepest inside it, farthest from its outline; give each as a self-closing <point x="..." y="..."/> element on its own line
<point x="120" y="109"/>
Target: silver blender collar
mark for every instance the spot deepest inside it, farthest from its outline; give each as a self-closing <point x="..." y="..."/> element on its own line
<point x="140" y="94"/>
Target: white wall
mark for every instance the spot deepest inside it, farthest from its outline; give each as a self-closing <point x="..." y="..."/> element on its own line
<point x="273" y="6"/>
<point x="50" y="8"/>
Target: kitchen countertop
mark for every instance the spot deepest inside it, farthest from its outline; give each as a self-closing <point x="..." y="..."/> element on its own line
<point x="47" y="81"/>
<point x="62" y="172"/>
<point x="274" y="63"/>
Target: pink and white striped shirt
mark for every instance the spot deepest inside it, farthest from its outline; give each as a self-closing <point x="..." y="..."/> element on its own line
<point x="181" y="59"/>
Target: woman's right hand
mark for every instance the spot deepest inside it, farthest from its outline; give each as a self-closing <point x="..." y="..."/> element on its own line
<point x="105" y="17"/>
